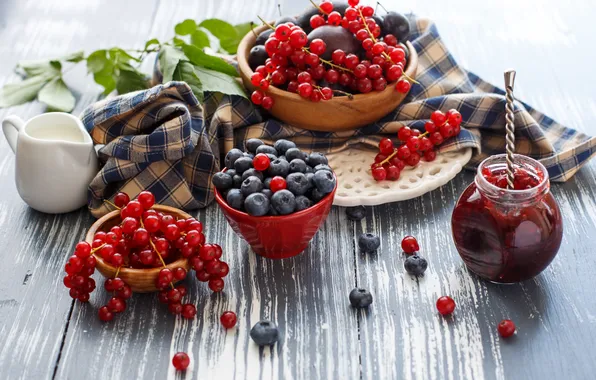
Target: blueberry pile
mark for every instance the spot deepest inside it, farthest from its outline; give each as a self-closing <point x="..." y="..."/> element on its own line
<point x="274" y="180"/>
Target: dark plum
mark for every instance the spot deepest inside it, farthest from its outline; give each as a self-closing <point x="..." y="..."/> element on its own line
<point x="335" y="37"/>
<point x="262" y="37"/>
<point x="257" y="56"/>
<point x="397" y="24"/>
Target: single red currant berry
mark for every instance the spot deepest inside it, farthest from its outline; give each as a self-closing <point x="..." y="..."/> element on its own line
<point x="445" y="305"/>
<point x="410" y="245"/>
<point x="454" y="117"/>
<point x="124" y="293"/>
<point x="267" y="102"/>
<point x="393" y="73"/>
<point x="364" y="85"/>
<point x="111" y="238"/>
<point x="181" y="361"/>
<point x="368" y="43"/>
<point x="216" y="284"/>
<point x="105" y="315"/>
<point x="107" y="251"/>
<point x="379" y="173"/>
<point x="264" y="84"/>
<point x="223" y="269"/>
<point x="197" y="263"/>
<point x="305" y="90"/>
<point x="332" y="76"/>
<point x="304" y="77"/>
<point x="117" y="260"/>
<point x="293" y="86"/>
<point x="228" y="319"/>
<point x="326" y="93"/>
<point x="413" y="143"/>
<point x="397" y="55"/>
<point x="367" y="10"/>
<point x="162" y="296"/>
<point x="436" y="138"/>
<point x="311" y="59"/>
<point x="425" y="144"/>
<point x="117" y="230"/>
<point x="430" y="127"/>
<point x="326" y="6"/>
<point x="386" y="146"/>
<point x="447" y="131"/>
<point x="317" y="72"/>
<point x="151" y="224"/>
<point x="374" y="71"/>
<point x="172" y="232"/>
<point x="271" y="46"/>
<point x="379" y="84"/>
<point x="261" y="162"/>
<point x="121" y="199"/>
<point x="316" y="21"/>
<point x="334" y="18"/>
<point x="278" y="78"/>
<point x="360" y="71"/>
<point x="207" y="252"/>
<point x="212" y="267"/>
<point x="395" y="161"/>
<point x="182" y="290"/>
<point x="390" y="40"/>
<point x="430" y="155"/>
<point x="179" y="274"/>
<point x="393" y="172"/>
<point x="83" y="249"/>
<point x="414" y="159"/>
<point x="402" y="86"/>
<point x="353" y="3"/>
<point x="203" y="276"/>
<point x="261" y="70"/>
<point x="404" y="133"/>
<point x="146" y="199"/>
<point x="298" y="39"/>
<point x="506" y="328"/>
<point x="378" y="48"/>
<point x="140" y="237"/>
<point x="188" y="311"/>
<point x="100" y="236"/>
<point x="351" y="61"/>
<point x="380" y="157"/>
<point x="438" y="117"/>
<point x="116" y="305"/>
<point x="338" y="57"/>
<point x="129" y="225"/>
<point x="403" y="152"/>
<point x="175" y="307"/>
<point x="351" y="14"/>
<point x="67" y="281"/>
<point x="134" y="209"/>
<point x="277" y="183"/>
<point x="174" y="295"/>
<point x="282" y="32"/>
<point x="362" y="34"/>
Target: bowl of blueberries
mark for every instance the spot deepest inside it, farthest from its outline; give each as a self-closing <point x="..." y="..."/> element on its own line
<point x="275" y="197"/>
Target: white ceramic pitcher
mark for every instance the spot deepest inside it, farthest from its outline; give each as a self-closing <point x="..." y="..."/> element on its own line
<point x="55" y="160"/>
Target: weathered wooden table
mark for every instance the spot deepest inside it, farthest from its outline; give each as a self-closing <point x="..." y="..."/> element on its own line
<point x="43" y="334"/>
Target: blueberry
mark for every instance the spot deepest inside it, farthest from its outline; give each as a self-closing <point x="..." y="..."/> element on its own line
<point x="267" y="182"/>
<point x="323" y="167"/>
<point x="279" y="167"/>
<point x="242" y="164"/>
<point x="222" y="181"/>
<point x="252" y="172"/>
<point x="356" y="213"/>
<point x="297" y="183"/>
<point x="297" y="165"/>
<point x="282" y="157"/>
<point x="251" y="185"/>
<point x="324" y="181"/>
<point x="264" y="333"/>
<point x="252" y="145"/>
<point x="249" y="155"/>
<point x="231" y="157"/>
<point x="237" y="181"/>
<point x="267" y="149"/>
<point x="309" y="169"/>
<point x="316" y="195"/>
<point x="283" y="202"/>
<point x="415" y="265"/>
<point x="360" y="298"/>
<point x="235" y="199"/>
<point x="293" y="153"/>
<point x="282" y="146"/>
<point x="272" y="211"/>
<point x="302" y="203"/>
<point x="311" y="179"/>
<point x="267" y="192"/>
<point x="256" y="204"/>
<point x="272" y="157"/>
<point x="316" y="158"/>
<point x="368" y="242"/>
<point x="231" y="172"/>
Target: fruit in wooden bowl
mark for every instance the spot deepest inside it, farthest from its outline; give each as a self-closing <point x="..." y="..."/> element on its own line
<point x="344" y="74"/>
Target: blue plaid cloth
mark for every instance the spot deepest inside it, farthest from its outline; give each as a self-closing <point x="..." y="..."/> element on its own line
<point x="162" y="140"/>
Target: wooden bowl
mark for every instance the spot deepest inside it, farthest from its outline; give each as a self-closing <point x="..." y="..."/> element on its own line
<point x="339" y="113"/>
<point x="139" y="280"/>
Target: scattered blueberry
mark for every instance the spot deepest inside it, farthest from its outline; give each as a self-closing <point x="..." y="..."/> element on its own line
<point x="272" y="157"/>
<point x="323" y="167"/>
<point x="232" y="156"/>
<point x="267" y="192"/>
<point x="222" y="181"/>
<point x="237" y="181"/>
<point x="302" y="203"/>
<point x="242" y="164"/>
<point x="293" y="153"/>
<point x="316" y="158"/>
<point x="297" y="183"/>
<point x="256" y="204"/>
<point x="368" y="242"/>
<point x="324" y="181"/>
<point x="356" y="213"/>
<point x="267" y="149"/>
<point x="235" y="199"/>
<point x="253" y="144"/>
<point x="282" y="146"/>
<point x="297" y="165"/>
<point x="360" y="298"/>
<point x="264" y="333"/>
<point x="279" y="167"/>
<point x="251" y="185"/>
<point x="284" y="202"/>
<point x="415" y="265"/>
<point x="252" y="172"/>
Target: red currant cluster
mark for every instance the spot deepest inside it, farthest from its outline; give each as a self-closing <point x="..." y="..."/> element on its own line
<point x="522" y="179"/>
<point x="301" y="69"/>
<point x="144" y="239"/>
<point x="391" y="160"/>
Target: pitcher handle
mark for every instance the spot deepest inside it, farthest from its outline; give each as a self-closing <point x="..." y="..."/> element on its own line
<point x="11" y="126"/>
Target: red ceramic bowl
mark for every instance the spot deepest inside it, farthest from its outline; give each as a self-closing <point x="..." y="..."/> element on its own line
<point x="278" y="237"/>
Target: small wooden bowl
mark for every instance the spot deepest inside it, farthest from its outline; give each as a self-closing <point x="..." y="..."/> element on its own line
<point x="339" y="113"/>
<point x="139" y="280"/>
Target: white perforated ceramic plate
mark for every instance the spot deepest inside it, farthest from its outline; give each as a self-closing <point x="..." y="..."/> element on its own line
<point x="356" y="185"/>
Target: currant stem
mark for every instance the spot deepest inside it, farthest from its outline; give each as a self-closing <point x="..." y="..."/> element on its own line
<point x="252" y="29"/>
<point x="319" y="8"/>
<point x="266" y="23"/>
<point x="160" y="258"/>
<point x="388" y="157"/>
<point x="117" y="272"/>
<point x="111" y="204"/>
<point x="379" y="4"/>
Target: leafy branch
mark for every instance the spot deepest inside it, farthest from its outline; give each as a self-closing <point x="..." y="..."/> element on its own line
<point x="183" y="58"/>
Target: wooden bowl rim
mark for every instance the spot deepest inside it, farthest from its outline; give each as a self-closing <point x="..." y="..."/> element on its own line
<point x="249" y="40"/>
<point x="133" y="271"/>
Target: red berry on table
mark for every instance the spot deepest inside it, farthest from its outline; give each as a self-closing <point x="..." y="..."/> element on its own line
<point x="386" y="146"/>
<point x="414" y="159"/>
<point x="338" y="56"/>
<point x="438" y="117"/>
<point x="409" y="244"/>
<point x="430" y="155"/>
<point x="413" y="143"/>
<point x="404" y="133"/>
<point x="454" y="117"/>
<point x="188" y="311"/>
<point x="445" y="305"/>
<point x="393" y="173"/>
<point x="228" y="319"/>
<point x="277" y="183"/>
<point x="261" y="162"/>
<point x="334" y="18"/>
<point x="223" y="269"/>
<point x="402" y="86"/>
<point x="181" y="289"/>
<point x="116" y="305"/>
<point x="212" y="266"/>
<point x="218" y="251"/>
<point x="174" y="295"/>
<point x="105" y="314"/>
<point x="506" y="328"/>
<point x="121" y="199"/>
<point x="181" y="361"/>
<point x="379" y="173"/>
<point x="146" y="199"/>
<point x="318" y="46"/>
<point x="207" y="252"/>
<point x="124" y="293"/>
<point x="216" y="284"/>
<point x="316" y="21"/>
<point x="298" y="39"/>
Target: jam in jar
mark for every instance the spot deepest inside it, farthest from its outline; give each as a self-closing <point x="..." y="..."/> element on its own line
<point x="504" y="235"/>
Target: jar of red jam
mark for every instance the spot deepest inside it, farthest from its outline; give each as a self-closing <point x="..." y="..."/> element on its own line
<point x="504" y="235"/>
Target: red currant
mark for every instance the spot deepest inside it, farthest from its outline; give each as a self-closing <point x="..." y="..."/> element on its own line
<point x="216" y="284"/>
<point x="267" y="102"/>
<point x="453" y="117"/>
<point x="506" y="328"/>
<point x="146" y="199"/>
<point x="203" y="276"/>
<point x="326" y="93"/>
<point x="316" y="21"/>
<point x="305" y="90"/>
<point x="378" y="48"/>
<point x="397" y="55"/>
<point x="124" y="293"/>
<point x="445" y="305"/>
<point x="334" y="18"/>
<point x="282" y="32"/>
<point x="367" y="10"/>
<point x="121" y="199"/>
<point x="364" y="85"/>
<point x="277" y="183"/>
<point x="379" y="173"/>
<point x="390" y="40"/>
<point x="298" y="39"/>
<point x="409" y="244"/>
<point x="311" y="59"/>
<point x="228" y="319"/>
<point x="261" y="162"/>
<point x="430" y="127"/>
<point x="414" y="159"/>
<point x="413" y="143"/>
<point x="374" y="71"/>
<point x="447" y="131"/>
<point x="134" y="209"/>
<point x="317" y="46"/>
<point x="425" y="144"/>
<point x="105" y="314"/>
<point x="83" y="250"/>
<point x="386" y="146"/>
<point x="393" y="73"/>
<point x="207" y="252"/>
<point x="404" y="133"/>
<point x="436" y="138"/>
<point x="402" y="86"/>
<point x="350" y="61"/>
<point x="393" y="173"/>
<point x="332" y="76"/>
<point x="316" y="96"/>
<point x="338" y="57"/>
<point x="430" y="155"/>
<point x="116" y="305"/>
<point x="140" y="237"/>
<point x="353" y="3"/>
<point x="181" y="361"/>
<point x="438" y="117"/>
<point x="403" y="152"/>
<point x="188" y="311"/>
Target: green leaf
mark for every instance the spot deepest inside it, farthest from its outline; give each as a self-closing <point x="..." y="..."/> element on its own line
<point x="25" y="91"/>
<point x="74" y="57"/>
<point x="117" y="54"/>
<point x="97" y="61"/>
<point x="57" y="96"/>
<point x="229" y="36"/>
<point x="40" y="67"/>
<point x="185" y="72"/>
<point x="129" y="81"/>
<point x="199" y="39"/>
<point x="214" y="81"/>
<point x="105" y="78"/>
<point x="178" y="42"/>
<point x="151" y="42"/>
<point x="168" y="60"/>
<point x="242" y="30"/>
<point x="186" y="27"/>
<point x="199" y="58"/>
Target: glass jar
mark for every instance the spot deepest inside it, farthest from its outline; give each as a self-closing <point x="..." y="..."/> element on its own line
<point x="504" y="235"/>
